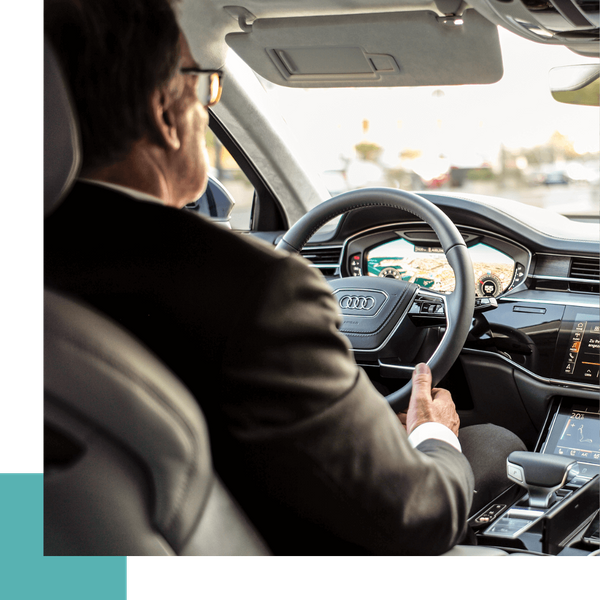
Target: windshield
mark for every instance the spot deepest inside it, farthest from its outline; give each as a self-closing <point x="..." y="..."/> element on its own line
<point x="510" y="139"/>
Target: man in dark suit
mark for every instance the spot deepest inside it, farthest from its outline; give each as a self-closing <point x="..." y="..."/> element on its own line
<point x="310" y="449"/>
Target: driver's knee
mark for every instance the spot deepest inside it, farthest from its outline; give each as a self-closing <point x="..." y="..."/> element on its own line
<point x="487" y="447"/>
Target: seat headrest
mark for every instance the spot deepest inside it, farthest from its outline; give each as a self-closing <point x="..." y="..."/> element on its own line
<point x="62" y="155"/>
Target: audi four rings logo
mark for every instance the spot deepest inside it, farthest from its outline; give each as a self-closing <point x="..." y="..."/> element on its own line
<point x="357" y="302"/>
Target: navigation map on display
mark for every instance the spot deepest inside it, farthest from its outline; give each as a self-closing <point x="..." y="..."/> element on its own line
<point x="427" y="266"/>
<point x="580" y="436"/>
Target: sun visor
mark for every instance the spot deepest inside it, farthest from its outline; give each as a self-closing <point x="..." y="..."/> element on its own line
<point x="385" y="49"/>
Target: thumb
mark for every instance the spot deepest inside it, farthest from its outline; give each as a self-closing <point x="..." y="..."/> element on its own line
<point x="421" y="380"/>
<point x="420" y="398"/>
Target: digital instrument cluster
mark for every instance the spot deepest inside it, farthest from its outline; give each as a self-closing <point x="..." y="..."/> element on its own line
<point x="426" y="265"/>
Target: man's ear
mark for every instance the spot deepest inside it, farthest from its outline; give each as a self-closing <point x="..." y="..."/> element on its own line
<point x="163" y="116"/>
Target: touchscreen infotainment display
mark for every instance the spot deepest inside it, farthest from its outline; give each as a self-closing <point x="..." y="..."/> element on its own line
<point x="575" y="432"/>
<point x="582" y="359"/>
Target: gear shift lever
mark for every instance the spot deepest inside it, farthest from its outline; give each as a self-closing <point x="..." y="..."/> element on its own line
<point x="540" y="474"/>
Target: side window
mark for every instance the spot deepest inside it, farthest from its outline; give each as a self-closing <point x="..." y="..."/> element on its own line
<point x="225" y="169"/>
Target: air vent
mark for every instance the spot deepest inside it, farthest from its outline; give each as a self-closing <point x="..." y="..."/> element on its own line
<point x="563" y="273"/>
<point x="326" y="258"/>
<point x="585" y="268"/>
<point x="584" y="275"/>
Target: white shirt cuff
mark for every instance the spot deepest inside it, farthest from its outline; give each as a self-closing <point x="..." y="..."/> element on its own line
<point x="436" y="431"/>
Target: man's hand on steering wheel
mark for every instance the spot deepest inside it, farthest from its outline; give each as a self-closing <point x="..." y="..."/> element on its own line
<point x="430" y="405"/>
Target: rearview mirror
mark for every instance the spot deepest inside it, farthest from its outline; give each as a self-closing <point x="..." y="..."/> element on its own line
<point x="576" y="84"/>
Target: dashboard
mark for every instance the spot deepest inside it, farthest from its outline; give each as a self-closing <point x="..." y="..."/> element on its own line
<point x="549" y="337"/>
<point x="539" y="340"/>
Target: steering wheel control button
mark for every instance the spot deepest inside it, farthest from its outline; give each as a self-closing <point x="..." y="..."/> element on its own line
<point x="429" y="306"/>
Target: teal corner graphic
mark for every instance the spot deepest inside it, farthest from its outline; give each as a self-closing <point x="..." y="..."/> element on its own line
<point x="26" y="574"/>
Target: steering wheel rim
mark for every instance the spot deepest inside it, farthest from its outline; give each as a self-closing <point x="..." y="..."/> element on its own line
<point x="460" y="303"/>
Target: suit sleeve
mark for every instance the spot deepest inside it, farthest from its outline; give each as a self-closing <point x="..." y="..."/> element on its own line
<point x="325" y="442"/>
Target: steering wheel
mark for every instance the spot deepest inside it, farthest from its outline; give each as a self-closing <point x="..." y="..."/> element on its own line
<point x="375" y="309"/>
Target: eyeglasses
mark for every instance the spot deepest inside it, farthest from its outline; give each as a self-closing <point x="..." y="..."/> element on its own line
<point x="209" y="85"/>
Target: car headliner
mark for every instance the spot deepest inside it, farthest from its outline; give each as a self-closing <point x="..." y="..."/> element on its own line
<point x="207" y="22"/>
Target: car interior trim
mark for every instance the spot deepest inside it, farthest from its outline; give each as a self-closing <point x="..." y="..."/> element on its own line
<point x="558" y="278"/>
<point x="559" y="383"/>
<point x="529" y="296"/>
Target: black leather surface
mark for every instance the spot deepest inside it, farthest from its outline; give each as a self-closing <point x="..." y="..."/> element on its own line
<point x="371" y="308"/>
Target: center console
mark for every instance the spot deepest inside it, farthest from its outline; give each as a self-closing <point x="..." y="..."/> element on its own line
<point x="553" y="508"/>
